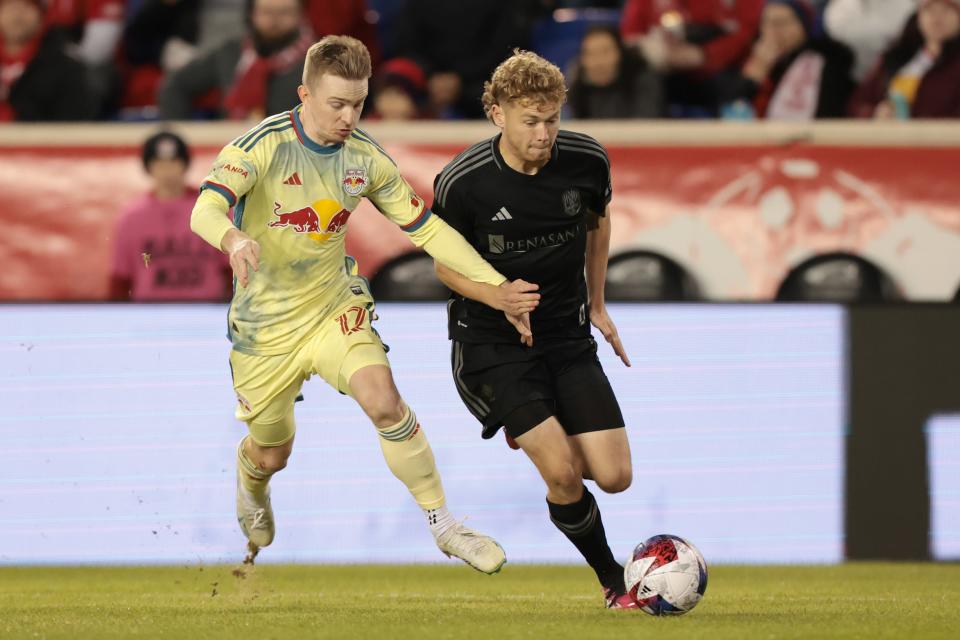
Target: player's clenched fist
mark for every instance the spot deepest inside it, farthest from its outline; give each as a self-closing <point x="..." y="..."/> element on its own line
<point x="243" y="250"/>
<point x="516" y="297"/>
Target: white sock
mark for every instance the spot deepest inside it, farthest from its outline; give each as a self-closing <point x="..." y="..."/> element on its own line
<point x="440" y="520"/>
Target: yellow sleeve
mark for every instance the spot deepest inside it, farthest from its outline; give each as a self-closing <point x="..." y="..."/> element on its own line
<point x="396" y="199"/>
<point x="209" y="219"/>
<point x="233" y="174"/>
<point x="449" y="248"/>
<point x="392" y="195"/>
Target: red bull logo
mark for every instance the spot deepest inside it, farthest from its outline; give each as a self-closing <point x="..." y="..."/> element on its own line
<point x="354" y="180"/>
<point x="303" y="220"/>
<point x="320" y="221"/>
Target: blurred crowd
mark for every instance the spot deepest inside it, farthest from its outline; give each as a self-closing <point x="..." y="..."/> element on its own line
<point x="81" y="60"/>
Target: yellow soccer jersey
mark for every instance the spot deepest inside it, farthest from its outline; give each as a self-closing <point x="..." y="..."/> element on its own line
<point x="294" y="197"/>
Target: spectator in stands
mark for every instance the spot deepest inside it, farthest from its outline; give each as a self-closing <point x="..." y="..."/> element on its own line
<point x="38" y="79"/>
<point x="256" y="75"/>
<point x="160" y="38"/>
<point x="610" y="80"/>
<point x="459" y="44"/>
<point x="220" y="21"/>
<point x="156" y="256"/>
<point x="163" y="33"/>
<point x="95" y="26"/>
<point x="344" y="17"/>
<point x="868" y="27"/>
<point x="94" y="29"/>
<point x="693" y="42"/>
<point x="919" y="76"/>
<point x="399" y="91"/>
<point x="791" y="73"/>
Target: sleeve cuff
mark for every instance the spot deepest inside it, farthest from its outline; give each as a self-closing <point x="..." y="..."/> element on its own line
<point x="223" y="190"/>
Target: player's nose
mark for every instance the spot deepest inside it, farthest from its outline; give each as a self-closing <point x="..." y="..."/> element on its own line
<point x="349" y="118"/>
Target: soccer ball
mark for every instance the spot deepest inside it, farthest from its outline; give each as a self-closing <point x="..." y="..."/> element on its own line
<point x="666" y="575"/>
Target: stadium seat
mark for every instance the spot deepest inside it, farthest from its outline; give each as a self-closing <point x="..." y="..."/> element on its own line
<point x="557" y="37"/>
<point x="837" y="277"/>
<point x="641" y="275"/>
<point x="409" y="277"/>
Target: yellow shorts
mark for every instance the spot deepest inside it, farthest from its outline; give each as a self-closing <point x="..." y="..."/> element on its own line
<point x="267" y="386"/>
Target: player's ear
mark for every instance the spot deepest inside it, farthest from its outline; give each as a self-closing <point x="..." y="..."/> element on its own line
<point x="303" y="93"/>
<point x="498" y="117"/>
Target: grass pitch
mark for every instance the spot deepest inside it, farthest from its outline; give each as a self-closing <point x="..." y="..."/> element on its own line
<point x="429" y="602"/>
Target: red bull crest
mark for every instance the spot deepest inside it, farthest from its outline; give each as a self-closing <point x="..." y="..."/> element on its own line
<point x="354" y="180"/>
<point x="303" y="220"/>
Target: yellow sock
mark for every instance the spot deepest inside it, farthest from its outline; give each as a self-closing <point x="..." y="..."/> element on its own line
<point x="409" y="457"/>
<point x="252" y="478"/>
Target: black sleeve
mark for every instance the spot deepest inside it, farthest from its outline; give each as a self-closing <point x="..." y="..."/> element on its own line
<point x="604" y="184"/>
<point x="451" y="210"/>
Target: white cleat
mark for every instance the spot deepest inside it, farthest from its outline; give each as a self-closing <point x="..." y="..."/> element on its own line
<point x="476" y="549"/>
<point x="255" y="516"/>
<point x="252" y="551"/>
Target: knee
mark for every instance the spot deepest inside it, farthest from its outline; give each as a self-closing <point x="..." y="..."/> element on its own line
<point x="385" y="411"/>
<point x="564" y="480"/>
<point x="273" y="459"/>
<point x="615" y="480"/>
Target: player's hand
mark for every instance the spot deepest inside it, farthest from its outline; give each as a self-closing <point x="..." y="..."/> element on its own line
<point x="243" y="251"/>
<point x="601" y="320"/>
<point x="521" y="323"/>
<point x="516" y="298"/>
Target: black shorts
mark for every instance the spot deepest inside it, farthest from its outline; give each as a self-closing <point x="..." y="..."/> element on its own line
<point x="519" y="387"/>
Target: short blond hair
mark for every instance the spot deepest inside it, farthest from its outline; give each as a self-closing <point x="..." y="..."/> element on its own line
<point x="340" y="56"/>
<point x="525" y="78"/>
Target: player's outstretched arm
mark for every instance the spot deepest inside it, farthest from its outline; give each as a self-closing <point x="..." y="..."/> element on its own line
<point x="516" y="299"/>
<point x="598" y="252"/>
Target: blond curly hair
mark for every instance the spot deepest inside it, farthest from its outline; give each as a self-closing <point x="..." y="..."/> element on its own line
<point x="525" y="78"/>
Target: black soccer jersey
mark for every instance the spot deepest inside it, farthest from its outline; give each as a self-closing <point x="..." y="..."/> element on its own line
<point x="532" y="227"/>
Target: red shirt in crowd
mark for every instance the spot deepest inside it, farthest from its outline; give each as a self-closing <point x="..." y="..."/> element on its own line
<point x="739" y="19"/>
<point x="72" y="12"/>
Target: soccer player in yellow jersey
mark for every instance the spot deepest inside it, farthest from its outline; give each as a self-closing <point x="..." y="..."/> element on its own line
<point x="299" y="307"/>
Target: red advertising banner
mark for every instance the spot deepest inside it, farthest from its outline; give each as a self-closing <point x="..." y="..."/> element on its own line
<point x="737" y="218"/>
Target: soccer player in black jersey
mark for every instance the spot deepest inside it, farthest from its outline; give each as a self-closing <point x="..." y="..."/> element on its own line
<point x="533" y="201"/>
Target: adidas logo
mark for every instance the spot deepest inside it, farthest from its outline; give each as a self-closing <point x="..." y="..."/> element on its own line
<point x="503" y="214"/>
<point x="293" y="180"/>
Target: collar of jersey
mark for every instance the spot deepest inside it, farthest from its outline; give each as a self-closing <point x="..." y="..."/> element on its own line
<point x="306" y="141"/>
<point x="504" y="167"/>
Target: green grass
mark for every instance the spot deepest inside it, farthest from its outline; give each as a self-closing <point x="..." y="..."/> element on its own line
<point x="429" y="602"/>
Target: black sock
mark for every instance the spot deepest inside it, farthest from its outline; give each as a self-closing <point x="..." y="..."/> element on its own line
<point x="582" y="525"/>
